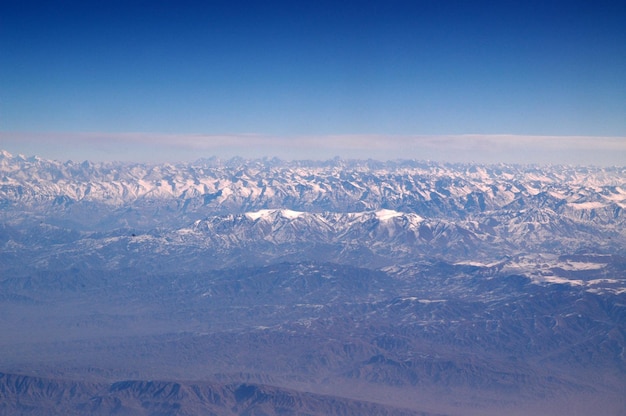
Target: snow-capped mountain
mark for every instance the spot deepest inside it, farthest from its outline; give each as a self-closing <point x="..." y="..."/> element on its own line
<point x="355" y="211"/>
<point x="434" y="287"/>
<point x="210" y="187"/>
<point x="537" y="222"/>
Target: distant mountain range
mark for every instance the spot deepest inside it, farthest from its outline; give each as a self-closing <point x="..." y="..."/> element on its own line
<point x="356" y="212"/>
<point x="213" y="187"/>
<point x="336" y="287"/>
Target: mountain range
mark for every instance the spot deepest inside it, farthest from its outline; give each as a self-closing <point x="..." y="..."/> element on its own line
<point x="333" y="287"/>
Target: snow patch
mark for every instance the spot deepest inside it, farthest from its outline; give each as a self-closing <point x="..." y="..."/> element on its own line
<point x="603" y="281"/>
<point x="557" y="280"/>
<point x="287" y="213"/>
<point x="267" y="213"/>
<point x="387" y="214"/>
<point x="264" y="213"/>
<point x="586" y="205"/>
<point x="579" y="265"/>
<point x="616" y="197"/>
<point x="471" y="263"/>
<point x="425" y="301"/>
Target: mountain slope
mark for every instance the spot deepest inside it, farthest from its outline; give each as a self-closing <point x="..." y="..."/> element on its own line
<point x="40" y="396"/>
<point x="444" y="289"/>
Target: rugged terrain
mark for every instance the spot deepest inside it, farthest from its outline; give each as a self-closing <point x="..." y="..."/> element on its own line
<point x="338" y="287"/>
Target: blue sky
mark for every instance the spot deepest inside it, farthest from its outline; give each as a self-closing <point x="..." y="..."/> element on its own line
<point x="156" y="80"/>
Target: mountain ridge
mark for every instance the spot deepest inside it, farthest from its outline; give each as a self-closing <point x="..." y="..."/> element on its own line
<point x="154" y="397"/>
<point x="441" y="288"/>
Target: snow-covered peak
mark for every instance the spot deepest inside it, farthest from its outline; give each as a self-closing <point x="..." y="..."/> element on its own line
<point x="269" y="213"/>
<point x="263" y="213"/>
<point x="385" y="191"/>
<point x="387" y="214"/>
<point x="287" y="213"/>
<point x="382" y="215"/>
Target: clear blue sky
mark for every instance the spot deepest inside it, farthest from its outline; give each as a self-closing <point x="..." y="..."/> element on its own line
<point x="298" y="69"/>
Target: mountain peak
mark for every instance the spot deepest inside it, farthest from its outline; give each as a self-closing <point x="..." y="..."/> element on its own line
<point x="387" y="214"/>
<point x="269" y="213"/>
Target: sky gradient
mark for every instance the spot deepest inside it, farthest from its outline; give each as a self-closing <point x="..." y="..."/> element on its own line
<point x="79" y="78"/>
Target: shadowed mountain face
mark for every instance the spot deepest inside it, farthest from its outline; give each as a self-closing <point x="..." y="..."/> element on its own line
<point x="263" y="287"/>
<point x="35" y="395"/>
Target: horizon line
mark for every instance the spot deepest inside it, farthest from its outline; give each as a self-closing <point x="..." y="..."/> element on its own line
<point x="179" y="147"/>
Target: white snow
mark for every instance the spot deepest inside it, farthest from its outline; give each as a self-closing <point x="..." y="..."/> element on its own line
<point x="557" y="280"/>
<point x="387" y="214"/>
<point x="287" y="213"/>
<point x="264" y="213"/>
<point x="603" y="281"/>
<point x="586" y="205"/>
<point x="471" y="263"/>
<point x="618" y="197"/>
<point x="414" y="219"/>
<point x="579" y="265"/>
<point x="425" y="301"/>
<point x="267" y="213"/>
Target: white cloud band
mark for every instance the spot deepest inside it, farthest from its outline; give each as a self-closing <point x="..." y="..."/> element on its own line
<point x="454" y="148"/>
